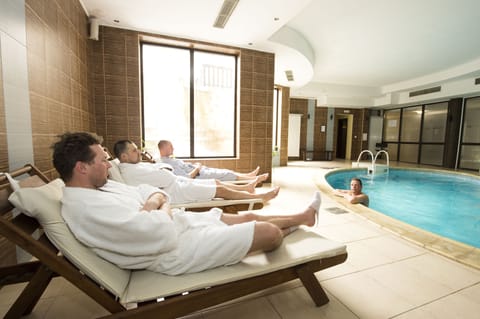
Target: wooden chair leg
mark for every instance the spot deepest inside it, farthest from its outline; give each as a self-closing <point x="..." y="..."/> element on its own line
<point x="29" y="297"/>
<point x="307" y="276"/>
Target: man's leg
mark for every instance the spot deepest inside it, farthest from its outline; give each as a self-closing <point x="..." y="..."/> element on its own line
<point x="229" y="193"/>
<point x="266" y="237"/>
<point x="250" y="175"/>
<point x="307" y="217"/>
<point x="249" y="187"/>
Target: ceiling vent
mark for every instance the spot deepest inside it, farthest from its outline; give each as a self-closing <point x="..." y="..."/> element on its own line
<point x="477" y="81"/>
<point x="289" y="75"/>
<point x="225" y="13"/>
<point x="425" y="91"/>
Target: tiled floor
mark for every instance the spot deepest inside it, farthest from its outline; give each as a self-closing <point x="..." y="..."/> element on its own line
<point x="384" y="276"/>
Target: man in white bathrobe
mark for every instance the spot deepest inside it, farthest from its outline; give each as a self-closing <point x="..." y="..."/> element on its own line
<point x="197" y="170"/>
<point x="134" y="228"/>
<point x="181" y="189"/>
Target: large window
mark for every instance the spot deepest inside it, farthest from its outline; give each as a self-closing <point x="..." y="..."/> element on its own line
<point x="189" y="97"/>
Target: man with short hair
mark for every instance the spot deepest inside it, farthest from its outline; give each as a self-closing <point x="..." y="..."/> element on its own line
<point x="199" y="171"/>
<point x="354" y="195"/>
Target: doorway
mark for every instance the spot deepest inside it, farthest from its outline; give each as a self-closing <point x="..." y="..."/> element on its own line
<point x="342" y="133"/>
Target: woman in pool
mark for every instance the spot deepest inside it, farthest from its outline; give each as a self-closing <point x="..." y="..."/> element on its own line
<point x="354" y="195"/>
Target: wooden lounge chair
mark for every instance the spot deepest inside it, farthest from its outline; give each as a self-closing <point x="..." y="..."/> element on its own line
<point x="58" y="253"/>
<point x="231" y="206"/>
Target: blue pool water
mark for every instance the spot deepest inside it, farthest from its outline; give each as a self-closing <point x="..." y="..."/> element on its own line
<point x="446" y="204"/>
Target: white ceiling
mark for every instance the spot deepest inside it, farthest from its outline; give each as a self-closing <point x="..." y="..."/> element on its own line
<point x="353" y="53"/>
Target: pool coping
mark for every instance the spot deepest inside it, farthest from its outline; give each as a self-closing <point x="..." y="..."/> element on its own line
<point x="450" y="248"/>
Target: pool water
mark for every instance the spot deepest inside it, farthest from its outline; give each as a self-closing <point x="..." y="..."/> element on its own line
<point x="446" y="204"/>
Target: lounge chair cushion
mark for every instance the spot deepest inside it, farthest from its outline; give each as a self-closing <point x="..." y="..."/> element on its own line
<point x="43" y="203"/>
<point x="114" y="171"/>
<point x="299" y="247"/>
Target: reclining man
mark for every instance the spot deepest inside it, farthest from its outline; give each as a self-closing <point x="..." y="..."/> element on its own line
<point x="133" y="226"/>
<point x="197" y="170"/>
<point x="181" y="189"/>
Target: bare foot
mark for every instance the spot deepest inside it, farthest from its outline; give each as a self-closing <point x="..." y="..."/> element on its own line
<point x="254" y="172"/>
<point x="261" y="178"/>
<point x="271" y="194"/>
<point x="250" y="187"/>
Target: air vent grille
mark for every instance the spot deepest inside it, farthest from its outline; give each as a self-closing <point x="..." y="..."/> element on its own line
<point x="289" y="75"/>
<point x="425" y="91"/>
<point x="225" y="13"/>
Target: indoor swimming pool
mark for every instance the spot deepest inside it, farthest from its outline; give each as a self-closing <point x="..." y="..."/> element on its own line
<point x="446" y="204"/>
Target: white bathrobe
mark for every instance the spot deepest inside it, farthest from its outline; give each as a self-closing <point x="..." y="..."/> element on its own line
<point x="182" y="168"/>
<point x="180" y="189"/>
<point x="109" y="221"/>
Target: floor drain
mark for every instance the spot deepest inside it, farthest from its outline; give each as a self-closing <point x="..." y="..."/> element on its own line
<point x="336" y="210"/>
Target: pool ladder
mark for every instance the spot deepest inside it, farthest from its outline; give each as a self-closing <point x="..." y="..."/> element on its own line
<point x="373" y="168"/>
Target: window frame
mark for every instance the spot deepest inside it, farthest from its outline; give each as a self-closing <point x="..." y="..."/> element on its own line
<point x="192" y="48"/>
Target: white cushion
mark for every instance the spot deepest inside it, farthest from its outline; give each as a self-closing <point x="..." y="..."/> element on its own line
<point x="114" y="171"/>
<point x="43" y="203"/>
<point x="299" y="247"/>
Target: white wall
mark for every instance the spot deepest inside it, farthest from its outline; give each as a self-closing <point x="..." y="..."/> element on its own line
<point x="13" y="46"/>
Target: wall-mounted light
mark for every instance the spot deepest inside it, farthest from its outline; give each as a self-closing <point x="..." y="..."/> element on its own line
<point x="331" y="117"/>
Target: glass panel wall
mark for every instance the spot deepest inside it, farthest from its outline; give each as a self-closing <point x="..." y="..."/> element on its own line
<point x="471" y="127"/>
<point x="433" y="133"/>
<point x="411" y="120"/>
<point x="391" y="125"/>
<point x="434" y="123"/>
<point x="470" y="150"/>
<point x="410" y="132"/>
<point x="470" y="158"/>
<point x="391" y="130"/>
<point x="432" y="154"/>
<point x="408" y="153"/>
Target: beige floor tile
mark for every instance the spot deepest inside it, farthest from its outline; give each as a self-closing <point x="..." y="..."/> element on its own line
<point x="366" y="297"/>
<point x="390" y="247"/>
<point x="3" y="310"/>
<point x="296" y="303"/>
<point x="196" y="315"/>
<point x="462" y="305"/>
<point x="253" y="309"/>
<point x="443" y="270"/>
<point x="413" y="285"/>
<point x="8" y="294"/>
<point x="350" y="231"/>
<point x="371" y="252"/>
<point x="41" y="309"/>
<point x="75" y="306"/>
